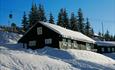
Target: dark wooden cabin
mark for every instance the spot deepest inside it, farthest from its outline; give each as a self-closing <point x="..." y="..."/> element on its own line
<point x="45" y="34"/>
<point x="105" y="46"/>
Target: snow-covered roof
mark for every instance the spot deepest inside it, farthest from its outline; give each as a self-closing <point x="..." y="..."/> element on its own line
<point x="95" y="34"/>
<point x="105" y="43"/>
<point x="68" y="33"/>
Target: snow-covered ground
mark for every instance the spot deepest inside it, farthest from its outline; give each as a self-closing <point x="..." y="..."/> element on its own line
<point x="14" y="57"/>
<point x="8" y="37"/>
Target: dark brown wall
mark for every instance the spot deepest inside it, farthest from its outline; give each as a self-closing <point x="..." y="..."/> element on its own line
<point x="99" y="49"/>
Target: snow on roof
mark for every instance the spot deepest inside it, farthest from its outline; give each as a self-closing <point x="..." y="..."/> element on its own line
<point x="95" y="34"/>
<point x="105" y="43"/>
<point x="68" y="33"/>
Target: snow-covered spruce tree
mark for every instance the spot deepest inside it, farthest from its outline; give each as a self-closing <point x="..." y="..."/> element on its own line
<point x="51" y="19"/>
<point x="80" y="21"/>
<point x="73" y="22"/>
<point x="24" y="23"/>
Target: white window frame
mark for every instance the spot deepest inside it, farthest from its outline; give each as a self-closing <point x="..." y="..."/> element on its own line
<point x="32" y="43"/>
<point x="48" y="41"/>
<point x="88" y="47"/>
<point x="113" y="49"/>
<point x="102" y="49"/>
<point x="64" y="42"/>
<point x="69" y="43"/>
<point x="75" y="44"/>
<point x="39" y="30"/>
<point x="108" y="49"/>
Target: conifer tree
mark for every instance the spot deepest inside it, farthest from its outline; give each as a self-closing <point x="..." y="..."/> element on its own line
<point x="111" y="37"/>
<point x="114" y="38"/>
<point x="73" y="22"/>
<point x="99" y="33"/>
<point x="41" y="13"/>
<point x="65" y="20"/>
<point x="51" y="19"/>
<point x="92" y="32"/>
<point x="88" y="30"/>
<point x="24" y="23"/>
<point x="60" y="18"/>
<point x="107" y="36"/>
<point x="80" y="21"/>
<point x="33" y="15"/>
<point x="36" y="14"/>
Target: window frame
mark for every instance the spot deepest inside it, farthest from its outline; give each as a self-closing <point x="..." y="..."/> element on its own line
<point x="75" y="44"/>
<point x="69" y="42"/>
<point x="39" y="31"/>
<point x="64" y="42"/>
<point x="108" y="49"/>
<point x="113" y="49"/>
<point x="32" y="43"/>
<point x="48" y="41"/>
<point x="102" y="49"/>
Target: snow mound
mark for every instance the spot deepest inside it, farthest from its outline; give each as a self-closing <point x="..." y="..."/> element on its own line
<point x="81" y="59"/>
<point x="8" y="37"/>
<point x="26" y="61"/>
<point x="12" y="57"/>
<point x="91" y="56"/>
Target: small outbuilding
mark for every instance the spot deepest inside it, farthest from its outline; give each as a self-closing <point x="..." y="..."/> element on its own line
<point x="105" y="46"/>
<point x="46" y="34"/>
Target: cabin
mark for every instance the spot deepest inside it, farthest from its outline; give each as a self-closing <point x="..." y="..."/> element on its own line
<point x="105" y="46"/>
<point x="44" y="34"/>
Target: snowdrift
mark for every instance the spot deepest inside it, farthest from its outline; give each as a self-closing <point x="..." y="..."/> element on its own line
<point x="17" y="58"/>
<point x="8" y="37"/>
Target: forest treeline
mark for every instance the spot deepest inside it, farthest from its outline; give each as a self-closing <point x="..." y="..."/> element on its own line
<point x="72" y="22"/>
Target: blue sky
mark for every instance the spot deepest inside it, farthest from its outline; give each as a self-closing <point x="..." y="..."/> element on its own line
<point x="97" y="11"/>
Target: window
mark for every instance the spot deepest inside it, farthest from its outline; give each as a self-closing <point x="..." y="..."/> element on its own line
<point x="88" y="47"/>
<point x="32" y="43"/>
<point x="102" y="49"/>
<point x="108" y="49"/>
<point x="64" y="42"/>
<point x="48" y="41"/>
<point x="39" y="30"/>
<point x="75" y="44"/>
<point x="69" y="42"/>
<point x="113" y="49"/>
